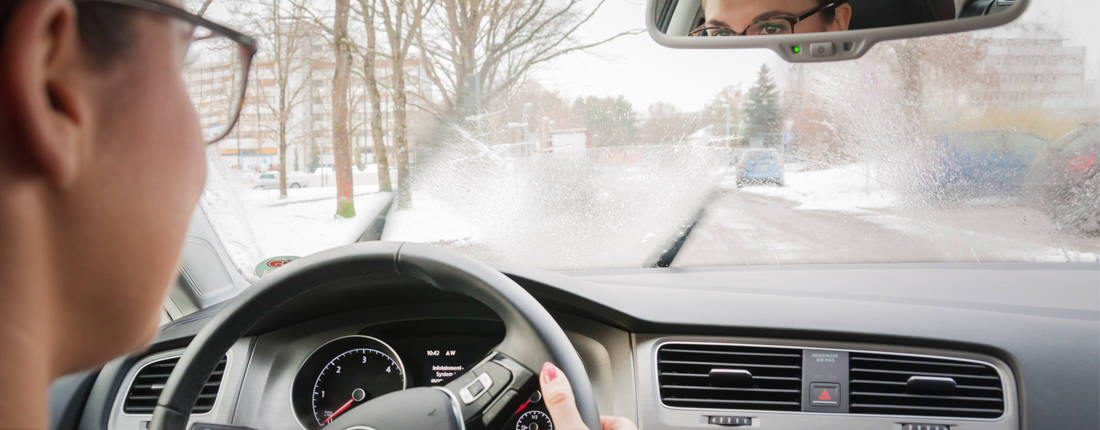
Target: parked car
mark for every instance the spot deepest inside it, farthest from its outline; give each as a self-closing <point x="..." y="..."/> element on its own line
<point x="760" y="165"/>
<point x="1066" y="180"/>
<point x="270" y="180"/>
<point x="982" y="163"/>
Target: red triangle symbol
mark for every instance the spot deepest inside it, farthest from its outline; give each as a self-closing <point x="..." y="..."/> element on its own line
<point x="825" y="396"/>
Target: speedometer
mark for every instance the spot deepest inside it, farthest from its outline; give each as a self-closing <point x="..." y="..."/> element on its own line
<point x="343" y="374"/>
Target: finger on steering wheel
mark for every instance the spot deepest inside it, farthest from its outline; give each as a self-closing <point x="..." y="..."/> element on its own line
<point x="558" y="395"/>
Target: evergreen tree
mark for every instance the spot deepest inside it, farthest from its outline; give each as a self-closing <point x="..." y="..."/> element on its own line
<point x="762" y="109"/>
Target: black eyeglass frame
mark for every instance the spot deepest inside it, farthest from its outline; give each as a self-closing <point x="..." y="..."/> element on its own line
<point x="247" y="43"/>
<point x="794" y="20"/>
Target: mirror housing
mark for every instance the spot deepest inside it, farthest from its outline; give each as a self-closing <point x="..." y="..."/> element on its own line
<point x="669" y="22"/>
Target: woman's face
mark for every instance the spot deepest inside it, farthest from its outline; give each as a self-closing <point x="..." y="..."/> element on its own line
<point x="137" y="190"/>
<point x="739" y="14"/>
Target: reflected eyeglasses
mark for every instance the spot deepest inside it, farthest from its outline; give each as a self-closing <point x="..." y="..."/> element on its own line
<point x="766" y="26"/>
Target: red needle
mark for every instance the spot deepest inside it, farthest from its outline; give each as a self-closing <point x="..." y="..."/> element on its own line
<point x="338" y="411"/>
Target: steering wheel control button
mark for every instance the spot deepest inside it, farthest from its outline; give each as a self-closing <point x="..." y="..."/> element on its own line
<point x="475" y="389"/>
<point x="729" y="421"/>
<point x="825" y="394"/>
<point x="822" y="49"/>
<point x="925" y="427"/>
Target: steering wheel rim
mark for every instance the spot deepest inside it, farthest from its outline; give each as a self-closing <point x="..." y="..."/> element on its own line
<point x="532" y="336"/>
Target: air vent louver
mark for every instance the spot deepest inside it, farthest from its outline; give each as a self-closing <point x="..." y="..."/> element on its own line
<point x="149" y="382"/>
<point x="714" y="377"/>
<point x="906" y="385"/>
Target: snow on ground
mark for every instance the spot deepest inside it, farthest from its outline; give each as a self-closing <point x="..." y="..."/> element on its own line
<point x="297" y="195"/>
<point x="427" y="223"/>
<point x="605" y="209"/>
<point x="845" y="188"/>
<point x="997" y="236"/>
<point x="982" y="228"/>
<point x="255" y="224"/>
<point x="306" y="227"/>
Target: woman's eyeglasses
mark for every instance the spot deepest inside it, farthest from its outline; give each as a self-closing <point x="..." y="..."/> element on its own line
<point x="215" y="67"/>
<point x="783" y="24"/>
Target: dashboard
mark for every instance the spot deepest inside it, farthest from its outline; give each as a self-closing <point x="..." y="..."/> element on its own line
<point x="377" y="360"/>
<point x="762" y="348"/>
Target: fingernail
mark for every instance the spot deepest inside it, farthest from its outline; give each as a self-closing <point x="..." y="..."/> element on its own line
<point x="549" y="372"/>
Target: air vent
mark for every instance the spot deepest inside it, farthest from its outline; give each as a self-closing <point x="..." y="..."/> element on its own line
<point x="906" y="385"/>
<point x="730" y="377"/>
<point x="150" y="380"/>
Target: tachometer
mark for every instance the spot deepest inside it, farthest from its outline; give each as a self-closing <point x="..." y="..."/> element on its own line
<point x="342" y="374"/>
<point x="534" y="420"/>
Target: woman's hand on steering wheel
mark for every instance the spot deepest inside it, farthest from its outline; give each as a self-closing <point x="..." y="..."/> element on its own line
<point x="558" y="396"/>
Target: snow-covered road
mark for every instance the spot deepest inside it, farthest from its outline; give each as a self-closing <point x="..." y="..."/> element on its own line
<point x="841" y="215"/>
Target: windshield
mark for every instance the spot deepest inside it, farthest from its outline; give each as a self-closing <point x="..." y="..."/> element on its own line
<point x="752" y="156"/>
<point x="596" y="148"/>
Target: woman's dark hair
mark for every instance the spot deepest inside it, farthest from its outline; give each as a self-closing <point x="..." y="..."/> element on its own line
<point x="105" y="29"/>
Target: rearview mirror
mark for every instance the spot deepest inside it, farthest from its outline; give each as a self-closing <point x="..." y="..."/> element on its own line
<point x="817" y="30"/>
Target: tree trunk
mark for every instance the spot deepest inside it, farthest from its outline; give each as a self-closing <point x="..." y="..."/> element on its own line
<point x="282" y="161"/>
<point x="400" y="133"/>
<point x="282" y="115"/>
<point x="381" y="157"/>
<point x="909" y="57"/>
<point x="345" y="204"/>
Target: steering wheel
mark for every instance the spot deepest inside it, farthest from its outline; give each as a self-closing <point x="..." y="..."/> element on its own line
<point x="473" y="400"/>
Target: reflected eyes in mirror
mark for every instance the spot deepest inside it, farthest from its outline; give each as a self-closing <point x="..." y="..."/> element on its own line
<point x="767" y="24"/>
<point x="759" y="28"/>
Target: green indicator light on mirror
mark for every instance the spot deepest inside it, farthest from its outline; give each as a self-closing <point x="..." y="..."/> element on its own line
<point x="797" y="49"/>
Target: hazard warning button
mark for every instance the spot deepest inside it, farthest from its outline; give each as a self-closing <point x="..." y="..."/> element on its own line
<point x="824" y="394"/>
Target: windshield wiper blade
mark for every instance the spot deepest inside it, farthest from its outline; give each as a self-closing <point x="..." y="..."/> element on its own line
<point x="668" y="254"/>
<point x="374" y="229"/>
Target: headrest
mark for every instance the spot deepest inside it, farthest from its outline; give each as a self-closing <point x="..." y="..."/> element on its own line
<point x="888" y="13"/>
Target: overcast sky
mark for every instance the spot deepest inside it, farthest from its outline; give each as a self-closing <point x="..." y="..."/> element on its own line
<point x="644" y="72"/>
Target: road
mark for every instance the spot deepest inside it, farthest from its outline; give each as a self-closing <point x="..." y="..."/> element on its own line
<point x="742" y="227"/>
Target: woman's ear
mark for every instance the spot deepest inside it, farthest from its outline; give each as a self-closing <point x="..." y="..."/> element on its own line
<point x="44" y="88"/>
<point x="842" y="16"/>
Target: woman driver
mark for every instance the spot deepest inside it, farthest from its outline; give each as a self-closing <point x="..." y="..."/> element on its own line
<point x="93" y="112"/>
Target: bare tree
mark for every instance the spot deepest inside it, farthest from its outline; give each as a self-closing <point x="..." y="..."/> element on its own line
<point x="481" y="49"/>
<point x="723" y="111"/>
<point x="286" y="37"/>
<point x="665" y="124"/>
<point x="402" y="21"/>
<point x="345" y="203"/>
<point x="368" y="52"/>
<point x="370" y="77"/>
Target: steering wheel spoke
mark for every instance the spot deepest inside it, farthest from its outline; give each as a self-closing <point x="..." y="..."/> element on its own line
<point x="491" y="389"/>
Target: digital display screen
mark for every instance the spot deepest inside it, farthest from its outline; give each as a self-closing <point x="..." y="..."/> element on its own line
<point x="435" y="352"/>
<point x="436" y="360"/>
<point x="444" y="363"/>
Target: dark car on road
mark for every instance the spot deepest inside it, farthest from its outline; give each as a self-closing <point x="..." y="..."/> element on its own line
<point x="983" y="163"/>
<point x="1066" y="180"/>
